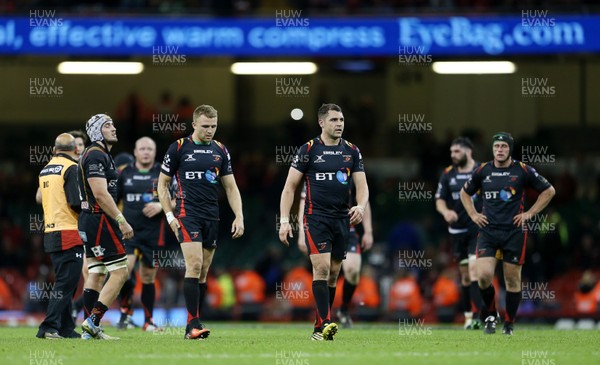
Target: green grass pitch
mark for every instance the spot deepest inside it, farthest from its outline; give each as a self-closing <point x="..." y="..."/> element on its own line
<point x="289" y="344"/>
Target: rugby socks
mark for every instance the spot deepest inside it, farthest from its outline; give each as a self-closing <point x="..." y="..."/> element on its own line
<point x="90" y="296"/>
<point x="466" y="298"/>
<point x="202" y="288"/>
<point x="321" y="294"/>
<point x="148" y="297"/>
<point x="347" y="293"/>
<point x="126" y="295"/>
<point x="98" y="312"/>
<point x="489" y="302"/>
<point x="331" y="296"/>
<point x="191" y="295"/>
<point x="512" y="305"/>
<point x="475" y="298"/>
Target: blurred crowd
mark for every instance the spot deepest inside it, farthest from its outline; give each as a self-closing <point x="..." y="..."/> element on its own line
<point x="229" y="8"/>
<point x="251" y="275"/>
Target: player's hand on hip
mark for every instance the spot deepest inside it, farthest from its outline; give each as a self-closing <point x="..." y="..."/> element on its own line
<point x="479" y="219"/>
<point x="356" y="214"/>
<point x="522" y="218"/>
<point x="126" y="229"/>
<point x="237" y="228"/>
<point x="450" y="216"/>
<point x="367" y="241"/>
<point x="285" y="231"/>
<point x="152" y="209"/>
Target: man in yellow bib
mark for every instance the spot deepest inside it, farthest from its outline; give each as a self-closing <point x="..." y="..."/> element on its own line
<point x="61" y="203"/>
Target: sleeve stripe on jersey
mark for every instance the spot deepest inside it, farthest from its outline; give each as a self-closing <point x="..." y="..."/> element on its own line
<point x="481" y="166"/>
<point x="524" y="167"/>
<point x="181" y="197"/>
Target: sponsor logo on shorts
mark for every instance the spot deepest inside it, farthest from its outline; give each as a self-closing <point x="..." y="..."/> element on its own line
<point x="98" y="251"/>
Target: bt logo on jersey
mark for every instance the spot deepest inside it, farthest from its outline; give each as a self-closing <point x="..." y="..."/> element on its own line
<point x="504" y="195"/>
<point x="208" y="175"/>
<point x="146" y="197"/>
<point x="320" y="176"/>
<point x="342" y="176"/>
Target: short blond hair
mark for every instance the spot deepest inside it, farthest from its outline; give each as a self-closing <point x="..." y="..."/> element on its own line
<point x="205" y="110"/>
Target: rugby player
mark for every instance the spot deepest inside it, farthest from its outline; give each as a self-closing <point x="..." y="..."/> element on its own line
<point x="463" y="232"/>
<point x="200" y="163"/>
<point x="102" y="226"/>
<point x="137" y="190"/>
<point x="502" y="224"/>
<point x="329" y="165"/>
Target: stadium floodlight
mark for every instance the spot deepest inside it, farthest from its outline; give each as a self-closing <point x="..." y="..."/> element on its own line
<point x="100" y="68"/>
<point x="274" y="68"/>
<point x="474" y="67"/>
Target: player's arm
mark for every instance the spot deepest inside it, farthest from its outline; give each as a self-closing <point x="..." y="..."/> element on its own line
<point x="301" y="238"/>
<point x="467" y="202"/>
<point x="362" y="197"/>
<point x="441" y="195"/>
<point x="539" y="183"/>
<point x="541" y="203"/>
<point x="235" y="202"/>
<point x="470" y="188"/>
<point x="38" y="196"/>
<point x="152" y="209"/>
<point x="164" y="197"/>
<point x="367" y="222"/>
<point x="287" y="199"/>
<point x="107" y="204"/>
<point x="449" y="215"/>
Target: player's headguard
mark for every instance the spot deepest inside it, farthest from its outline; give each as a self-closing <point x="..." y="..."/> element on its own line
<point x="504" y="137"/>
<point x="94" y="125"/>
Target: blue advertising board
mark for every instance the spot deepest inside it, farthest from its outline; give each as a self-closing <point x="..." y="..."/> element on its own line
<point x="46" y="33"/>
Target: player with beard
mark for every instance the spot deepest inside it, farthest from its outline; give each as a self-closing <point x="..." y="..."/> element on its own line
<point x="502" y="224"/>
<point x="463" y="232"/>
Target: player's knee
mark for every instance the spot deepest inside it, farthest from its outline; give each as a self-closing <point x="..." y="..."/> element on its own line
<point x="193" y="268"/>
<point x="465" y="279"/>
<point x="472" y="275"/>
<point x="95" y="281"/>
<point x="352" y="276"/>
<point x="203" y="274"/>
<point x="120" y="275"/>
<point x="147" y="277"/>
<point x="513" y="284"/>
<point x="484" y="281"/>
<point x="321" y="273"/>
<point x="332" y="279"/>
